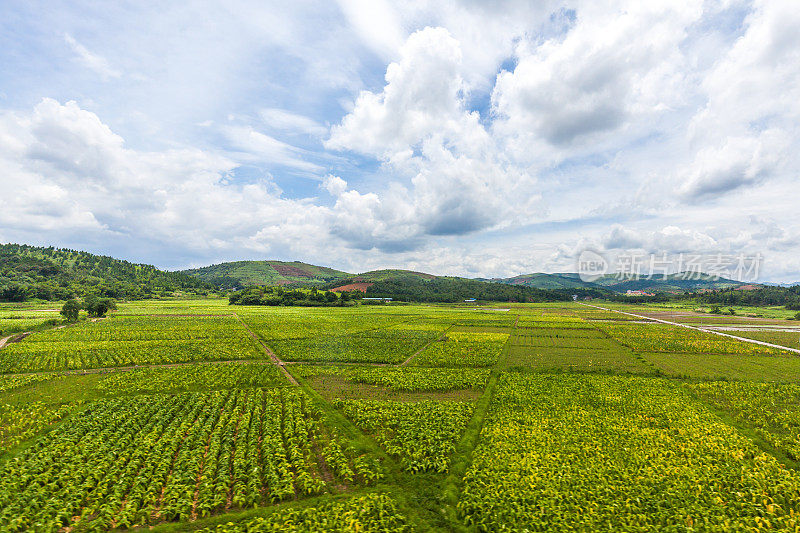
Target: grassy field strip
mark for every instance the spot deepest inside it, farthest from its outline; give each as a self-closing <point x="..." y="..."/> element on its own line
<point x="413" y="355"/>
<point x="462" y="457"/>
<point x="743" y="339"/>
<point x="269" y="352"/>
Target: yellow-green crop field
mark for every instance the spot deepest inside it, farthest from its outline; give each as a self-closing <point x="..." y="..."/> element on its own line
<point x="193" y="415"/>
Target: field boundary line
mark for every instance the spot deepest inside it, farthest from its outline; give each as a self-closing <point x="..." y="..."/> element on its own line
<point x="4" y="340"/>
<point x="462" y="457"/>
<point x="721" y="334"/>
<point x="275" y="359"/>
<point x="437" y="339"/>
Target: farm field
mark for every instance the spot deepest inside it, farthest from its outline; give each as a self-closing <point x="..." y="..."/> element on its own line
<point x="195" y="415"/>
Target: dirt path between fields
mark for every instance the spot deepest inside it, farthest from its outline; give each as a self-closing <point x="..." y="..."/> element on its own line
<point x="275" y="359"/>
<point x="721" y="334"/>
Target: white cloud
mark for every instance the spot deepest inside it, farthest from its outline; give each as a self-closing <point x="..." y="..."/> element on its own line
<point x="68" y="173"/>
<point x="262" y="147"/>
<point x="281" y="119"/>
<point x="653" y="116"/>
<point x="94" y="62"/>
<point x="419" y="126"/>
<point x="616" y="64"/>
<point x="335" y="185"/>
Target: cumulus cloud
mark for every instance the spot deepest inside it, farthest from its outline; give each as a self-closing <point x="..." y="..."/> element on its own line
<point x="334" y="185"/>
<point x="465" y="134"/>
<point x="669" y="239"/>
<point x="419" y="126"/>
<point x="747" y="131"/>
<point x="597" y="76"/>
<point x="67" y="173"/>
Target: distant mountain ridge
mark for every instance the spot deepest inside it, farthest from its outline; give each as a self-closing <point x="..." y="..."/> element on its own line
<point x="244" y="273"/>
<point x="680" y="282"/>
<point x="55" y="273"/>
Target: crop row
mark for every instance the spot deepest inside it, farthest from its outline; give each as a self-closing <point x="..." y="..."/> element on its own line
<point x="124" y="461"/>
<point x="421" y="435"/>
<point x="589" y="453"/>
<point x="146" y="329"/>
<point x="773" y="409"/>
<point x="408" y="379"/>
<point x="20" y="422"/>
<point x="371" y="513"/>
<point x="665" y="338"/>
<point x="462" y="349"/>
<point x="42" y="356"/>
<point x="192" y="378"/>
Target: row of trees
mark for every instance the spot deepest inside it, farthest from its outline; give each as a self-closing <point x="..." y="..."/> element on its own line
<point x="93" y="305"/>
<point x="260" y="295"/>
<point x="766" y="296"/>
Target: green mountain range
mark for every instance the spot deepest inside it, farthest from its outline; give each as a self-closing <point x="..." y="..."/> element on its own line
<point x="55" y="274"/>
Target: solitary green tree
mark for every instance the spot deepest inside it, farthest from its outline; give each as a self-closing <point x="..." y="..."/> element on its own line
<point x="70" y="310"/>
<point x="98" y="307"/>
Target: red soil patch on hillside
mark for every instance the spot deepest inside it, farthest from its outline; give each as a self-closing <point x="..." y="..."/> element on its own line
<point x="286" y="270"/>
<point x="353" y="287"/>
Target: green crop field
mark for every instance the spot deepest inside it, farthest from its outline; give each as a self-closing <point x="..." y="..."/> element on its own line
<point x="194" y="415"/>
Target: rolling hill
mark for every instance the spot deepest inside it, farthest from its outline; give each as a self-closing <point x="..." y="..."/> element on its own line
<point x="58" y="273"/>
<point x="243" y="273"/>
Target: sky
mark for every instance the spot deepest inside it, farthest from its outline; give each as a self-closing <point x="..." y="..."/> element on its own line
<point x="483" y="139"/>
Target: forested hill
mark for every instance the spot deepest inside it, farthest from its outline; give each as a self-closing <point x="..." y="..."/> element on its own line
<point x="414" y="288"/>
<point x="57" y="273"/>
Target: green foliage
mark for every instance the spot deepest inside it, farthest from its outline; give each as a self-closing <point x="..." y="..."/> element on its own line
<point x="590" y="453"/>
<point x="71" y="309"/>
<point x="413" y="288"/>
<point x="764" y="296"/>
<point x="773" y="409"/>
<point x="238" y="274"/>
<point x="59" y="274"/>
<point x="378" y="346"/>
<point x="215" y="376"/>
<point x="408" y="379"/>
<point x="459" y="349"/>
<point x="676" y="339"/>
<point x="371" y="513"/>
<point x="131" y="341"/>
<point x="279" y="296"/>
<point x="421" y="435"/>
<point x="124" y="462"/>
<point x="8" y="383"/>
<point x="98" y="307"/>
<point x="19" y="423"/>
